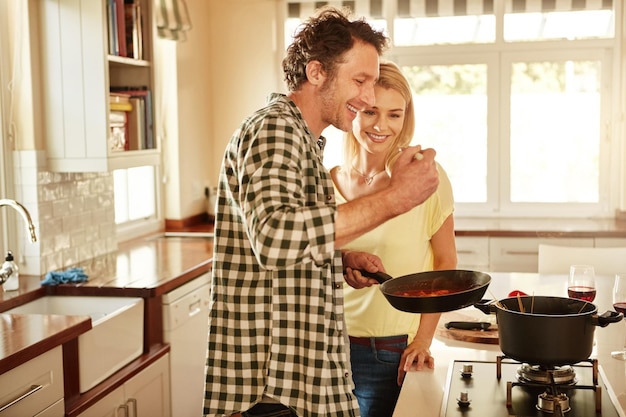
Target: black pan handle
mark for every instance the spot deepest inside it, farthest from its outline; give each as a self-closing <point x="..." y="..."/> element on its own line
<point x="486" y="306"/>
<point x="468" y="325"/>
<point x="608" y="318"/>
<point x="378" y="276"/>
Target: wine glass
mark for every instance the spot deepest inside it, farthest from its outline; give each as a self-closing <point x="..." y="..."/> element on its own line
<point x="619" y="304"/>
<point x="582" y="283"/>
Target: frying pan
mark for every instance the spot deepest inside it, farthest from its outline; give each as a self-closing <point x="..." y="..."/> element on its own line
<point x="462" y="289"/>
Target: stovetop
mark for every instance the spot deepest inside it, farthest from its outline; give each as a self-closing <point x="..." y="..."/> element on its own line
<point x="487" y="395"/>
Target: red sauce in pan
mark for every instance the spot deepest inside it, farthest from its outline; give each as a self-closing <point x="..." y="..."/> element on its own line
<point x="422" y="293"/>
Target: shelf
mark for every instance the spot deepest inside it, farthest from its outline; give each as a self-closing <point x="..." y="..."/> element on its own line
<point x="115" y="60"/>
<point x="80" y="70"/>
<point x="130" y="159"/>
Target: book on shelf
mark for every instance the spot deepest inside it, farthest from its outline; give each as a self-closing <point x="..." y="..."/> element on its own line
<point x="120" y="19"/>
<point x="137" y="124"/>
<point x="125" y="27"/>
<point x="140" y="118"/>
<point x="134" y="36"/>
<point x="112" y="28"/>
<point x="119" y="102"/>
<point x="119" y="130"/>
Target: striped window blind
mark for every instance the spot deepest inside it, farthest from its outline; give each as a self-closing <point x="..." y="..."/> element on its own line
<point x="543" y="6"/>
<point x="172" y="19"/>
<point x="440" y="8"/>
<point x="305" y="8"/>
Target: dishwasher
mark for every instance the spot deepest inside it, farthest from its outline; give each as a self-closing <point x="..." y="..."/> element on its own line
<point x="185" y="329"/>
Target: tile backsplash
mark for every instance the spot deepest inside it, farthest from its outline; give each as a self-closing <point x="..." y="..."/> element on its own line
<point x="73" y="213"/>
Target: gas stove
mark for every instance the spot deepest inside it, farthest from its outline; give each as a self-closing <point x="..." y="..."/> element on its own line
<point x="507" y="388"/>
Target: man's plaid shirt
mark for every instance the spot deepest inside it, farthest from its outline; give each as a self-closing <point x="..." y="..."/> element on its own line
<point x="276" y="325"/>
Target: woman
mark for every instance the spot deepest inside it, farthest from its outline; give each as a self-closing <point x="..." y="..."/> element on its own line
<point x="385" y="342"/>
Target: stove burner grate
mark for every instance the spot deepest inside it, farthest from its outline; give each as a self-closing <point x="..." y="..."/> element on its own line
<point x="564" y="375"/>
<point x="554" y="380"/>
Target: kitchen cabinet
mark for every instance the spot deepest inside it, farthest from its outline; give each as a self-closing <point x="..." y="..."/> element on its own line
<point x="520" y="254"/>
<point x="145" y="394"/>
<point x="34" y="388"/>
<point x="516" y="254"/>
<point x="472" y="253"/>
<point x="77" y="74"/>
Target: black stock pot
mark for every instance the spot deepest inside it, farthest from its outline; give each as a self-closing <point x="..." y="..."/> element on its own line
<point x="547" y="331"/>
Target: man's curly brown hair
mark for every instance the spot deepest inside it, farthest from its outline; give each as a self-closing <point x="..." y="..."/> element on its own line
<point x="325" y="37"/>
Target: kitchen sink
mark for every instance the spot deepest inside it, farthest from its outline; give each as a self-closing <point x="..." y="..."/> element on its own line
<point x="116" y="337"/>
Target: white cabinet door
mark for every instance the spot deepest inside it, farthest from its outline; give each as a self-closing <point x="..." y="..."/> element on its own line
<point x="610" y="242"/>
<point x="472" y="252"/>
<point x="520" y="254"/>
<point x="146" y="394"/>
<point x="149" y="391"/>
<point x="108" y="406"/>
<point x="55" y="410"/>
<point x="33" y="386"/>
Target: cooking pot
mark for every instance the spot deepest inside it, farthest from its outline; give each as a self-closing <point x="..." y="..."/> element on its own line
<point x="547" y="331"/>
<point x="432" y="291"/>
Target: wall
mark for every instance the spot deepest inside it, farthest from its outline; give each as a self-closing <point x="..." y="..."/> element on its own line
<point x="244" y="66"/>
<point x="222" y="72"/>
<point x="73" y="215"/>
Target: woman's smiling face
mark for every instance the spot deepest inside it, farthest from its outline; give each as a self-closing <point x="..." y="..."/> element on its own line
<point x="377" y="127"/>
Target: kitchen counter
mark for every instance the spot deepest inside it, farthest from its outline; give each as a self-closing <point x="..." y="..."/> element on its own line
<point x="424" y="390"/>
<point x="24" y="337"/>
<point x="147" y="267"/>
<point x="539" y="227"/>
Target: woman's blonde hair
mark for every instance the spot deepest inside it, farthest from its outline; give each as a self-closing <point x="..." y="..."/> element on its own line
<point x="391" y="77"/>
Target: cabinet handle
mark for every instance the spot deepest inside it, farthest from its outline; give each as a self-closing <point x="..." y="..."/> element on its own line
<point x="465" y="252"/>
<point x="520" y="252"/>
<point x="195" y="308"/>
<point x="124" y="408"/>
<point x="33" y="389"/>
<point x="133" y="402"/>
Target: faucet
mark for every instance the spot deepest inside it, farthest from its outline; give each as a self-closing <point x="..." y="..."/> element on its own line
<point x="6" y="272"/>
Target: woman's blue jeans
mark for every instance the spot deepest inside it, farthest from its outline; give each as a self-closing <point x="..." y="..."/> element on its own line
<point x="375" y="374"/>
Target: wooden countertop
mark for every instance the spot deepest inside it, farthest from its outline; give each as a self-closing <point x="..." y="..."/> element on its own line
<point x="541" y="227"/>
<point x="24" y="337"/>
<point x="148" y="267"/>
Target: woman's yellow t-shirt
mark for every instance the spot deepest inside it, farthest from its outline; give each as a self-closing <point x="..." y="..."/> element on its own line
<point x="403" y="244"/>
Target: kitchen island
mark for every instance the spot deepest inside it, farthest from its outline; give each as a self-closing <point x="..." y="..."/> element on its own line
<point x="424" y="390"/>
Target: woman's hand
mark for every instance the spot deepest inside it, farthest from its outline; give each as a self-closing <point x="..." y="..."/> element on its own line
<point x="418" y="354"/>
<point x="354" y="260"/>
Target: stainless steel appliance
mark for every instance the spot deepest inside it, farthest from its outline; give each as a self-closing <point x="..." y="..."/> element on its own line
<point x="507" y="388"/>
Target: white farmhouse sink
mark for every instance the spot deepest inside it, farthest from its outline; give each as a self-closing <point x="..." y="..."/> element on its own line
<point x="116" y="337"/>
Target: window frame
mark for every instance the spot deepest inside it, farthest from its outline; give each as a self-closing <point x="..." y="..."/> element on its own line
<point x="498" y="57"/>
<point x="500" y="54"/>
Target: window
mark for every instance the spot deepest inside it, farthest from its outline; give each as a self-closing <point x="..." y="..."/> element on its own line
<point x="517" y="97"/>
<point x="136" y="200"/>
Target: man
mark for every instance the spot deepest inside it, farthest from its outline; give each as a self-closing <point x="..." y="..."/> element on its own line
<point x="277" y="344"/>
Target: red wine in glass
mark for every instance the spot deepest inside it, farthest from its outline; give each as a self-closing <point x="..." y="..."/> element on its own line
<point x="620" y="307"/>
<point x="582" y="293"/>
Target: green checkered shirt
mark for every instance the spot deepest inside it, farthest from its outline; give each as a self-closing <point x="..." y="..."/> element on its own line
<point x="276" y="325"/>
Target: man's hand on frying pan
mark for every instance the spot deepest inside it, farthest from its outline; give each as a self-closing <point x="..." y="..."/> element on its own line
<point x="353" y="260"/>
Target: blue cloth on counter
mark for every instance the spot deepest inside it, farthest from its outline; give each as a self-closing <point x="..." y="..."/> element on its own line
<point x="70" y="275"/>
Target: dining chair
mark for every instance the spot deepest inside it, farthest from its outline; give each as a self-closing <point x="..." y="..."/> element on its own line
<point x="554" y="259"/>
